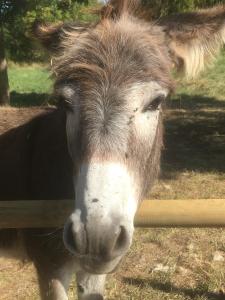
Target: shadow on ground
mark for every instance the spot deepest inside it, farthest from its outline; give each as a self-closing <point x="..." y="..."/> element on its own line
<point x="28" y="99"/>
<point x="167" y="287"/>
<point x="194" y="135"/>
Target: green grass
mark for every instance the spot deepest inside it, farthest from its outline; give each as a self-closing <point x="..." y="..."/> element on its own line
<point x="29" y="85"/>
<point x="193" y="166"/>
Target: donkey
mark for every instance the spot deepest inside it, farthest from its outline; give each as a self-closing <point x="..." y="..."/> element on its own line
<point x="102" y="145"/>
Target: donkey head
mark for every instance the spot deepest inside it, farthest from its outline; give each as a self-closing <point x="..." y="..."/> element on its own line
<point x="113" y="78"/>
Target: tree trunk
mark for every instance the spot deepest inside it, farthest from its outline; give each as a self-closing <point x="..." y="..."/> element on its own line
<point x="4" y="82"/>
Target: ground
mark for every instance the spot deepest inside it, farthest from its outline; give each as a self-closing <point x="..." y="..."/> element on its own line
<point x="163" y="264"/>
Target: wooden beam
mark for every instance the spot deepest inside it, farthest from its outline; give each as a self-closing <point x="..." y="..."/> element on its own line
<point x="181" y="213"/>
<point x="34" y="214"/>
<point x="152" y="213"/>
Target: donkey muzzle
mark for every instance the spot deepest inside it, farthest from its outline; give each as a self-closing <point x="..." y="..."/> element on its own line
<point x="97" y="244"/>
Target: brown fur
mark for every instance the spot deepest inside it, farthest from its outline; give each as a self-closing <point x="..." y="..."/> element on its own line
<point x="51" y="35"/>
<point x="115" y="9"/>
<point x="96" y="52"/>
<point x="27" y="153"/>
<point x="35" y="159"/>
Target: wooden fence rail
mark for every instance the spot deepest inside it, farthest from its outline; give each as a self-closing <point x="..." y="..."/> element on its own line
<point x="152" y="213"/>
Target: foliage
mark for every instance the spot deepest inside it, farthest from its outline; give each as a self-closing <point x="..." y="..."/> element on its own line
<point x="9" y="8"/>
<point x="165" y="7"/>
<point x="18" y="17"/>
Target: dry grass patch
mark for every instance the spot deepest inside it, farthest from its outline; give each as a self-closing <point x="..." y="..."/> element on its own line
<point x="18" y="281"/>
<point x="173" y="264"/>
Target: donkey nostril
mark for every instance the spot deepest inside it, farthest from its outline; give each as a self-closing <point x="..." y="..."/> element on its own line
<point x="80" y="288"/>
<point x="122" y="241"/>
<point x="74" y="241"/>
<point x="69" y="238"/>
<point x="116" y="244"/>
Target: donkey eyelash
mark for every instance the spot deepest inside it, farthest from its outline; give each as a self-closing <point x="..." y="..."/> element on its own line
<point x="66" y="104"/>
<point x="69" y="105"/>
<point x="68" y="101"/>
<point x="154" y="104"/>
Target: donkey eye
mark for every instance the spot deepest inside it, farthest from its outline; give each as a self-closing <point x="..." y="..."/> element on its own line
<point x="64" y="103"/>
<point x="154" y="104"/>
<point x="68" y="105"/>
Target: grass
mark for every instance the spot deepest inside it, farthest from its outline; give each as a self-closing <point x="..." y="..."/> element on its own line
<point x="163" y="264"/>
<point x="29" y="85"/>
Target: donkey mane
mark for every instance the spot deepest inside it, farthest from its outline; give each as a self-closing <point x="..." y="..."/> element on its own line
<point x="115" y="9"/>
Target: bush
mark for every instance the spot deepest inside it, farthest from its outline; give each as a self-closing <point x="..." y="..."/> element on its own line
<point x="18" y="40"/>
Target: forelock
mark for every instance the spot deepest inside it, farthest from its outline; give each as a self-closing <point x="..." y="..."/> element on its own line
<point x="114" y="52"/>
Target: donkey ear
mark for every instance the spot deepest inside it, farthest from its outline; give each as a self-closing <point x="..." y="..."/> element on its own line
<point x="196" y="38"/>
<point x="49" y="35"/>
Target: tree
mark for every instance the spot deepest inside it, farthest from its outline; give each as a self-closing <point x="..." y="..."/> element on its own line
<point x="19" y="44"/>
<point x="16" y="18"/>
<point x="4" y="82"/>
<point x="8" y="8"/>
